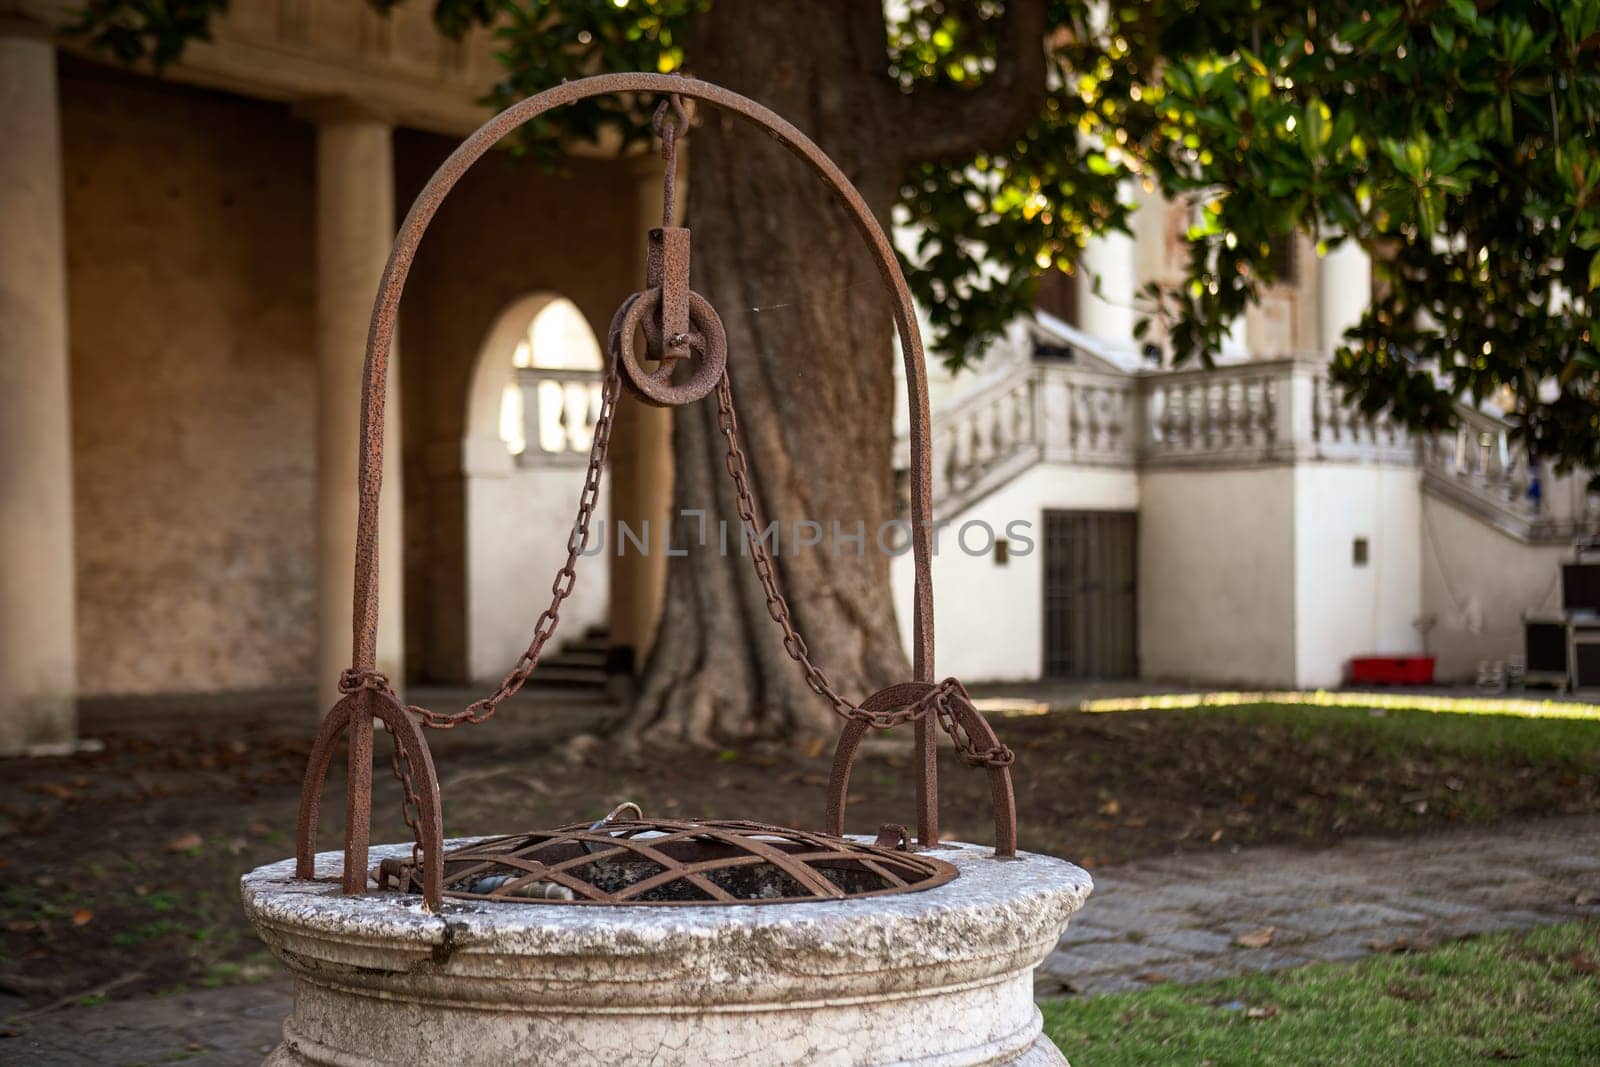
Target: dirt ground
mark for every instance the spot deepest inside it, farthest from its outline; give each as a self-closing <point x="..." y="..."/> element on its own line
<point x="119" y="869"/>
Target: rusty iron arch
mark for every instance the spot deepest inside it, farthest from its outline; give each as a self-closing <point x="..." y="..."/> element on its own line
<point x="369" y="695"/>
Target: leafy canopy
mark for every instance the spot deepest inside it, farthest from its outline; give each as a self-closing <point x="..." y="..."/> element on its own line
<point x="1453" y="139"/>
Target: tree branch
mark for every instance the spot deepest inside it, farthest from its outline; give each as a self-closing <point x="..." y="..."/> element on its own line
<point x="943" y="121"/>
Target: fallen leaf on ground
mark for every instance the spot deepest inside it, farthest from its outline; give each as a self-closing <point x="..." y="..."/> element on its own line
<point x="1266" y="1012"/>
<point x="258" y="829"/>
<point x="1255" y="938"/>
<point x="1582" y="964"/>
<point x="1399" y="944"/>
<point x="185" y="843"/>
<point x="1153" y="977"/>
<point x="1216" y="835"/>
<point x="1110" y="807"/>
<point x="1585" y="897"/>
<point x="81" y="917"/>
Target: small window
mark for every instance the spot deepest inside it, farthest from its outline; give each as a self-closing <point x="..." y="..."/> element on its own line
<point x="1058" y="296"/>
<point x="1359" y="551"/>
<point x="1285" y="260"/>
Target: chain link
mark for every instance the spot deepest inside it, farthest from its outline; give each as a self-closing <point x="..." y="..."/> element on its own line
<point x="939" y="699"/>
<point x="410" y="804"/>
<point x="560" y="589"/>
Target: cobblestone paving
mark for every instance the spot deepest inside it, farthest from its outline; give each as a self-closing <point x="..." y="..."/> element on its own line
<point x="212" y="1027"/>
<point x="1192" y="918"/>
<point x="1181" y="919"/>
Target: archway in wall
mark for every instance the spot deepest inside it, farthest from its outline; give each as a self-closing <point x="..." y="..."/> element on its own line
<point x="531" y="410"/>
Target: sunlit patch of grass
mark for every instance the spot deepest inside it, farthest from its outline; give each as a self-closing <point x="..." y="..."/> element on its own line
<point x="1532" y="997"/>
<point x="1323" y="698"/>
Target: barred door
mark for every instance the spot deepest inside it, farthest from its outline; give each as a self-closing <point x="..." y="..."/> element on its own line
<point x="1090" y="568"/>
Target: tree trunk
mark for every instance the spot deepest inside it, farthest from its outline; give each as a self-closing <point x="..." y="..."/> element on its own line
<point x="810" y="351"/>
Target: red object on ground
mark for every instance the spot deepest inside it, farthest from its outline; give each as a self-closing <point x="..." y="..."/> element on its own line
<point x="1392" y="670"/>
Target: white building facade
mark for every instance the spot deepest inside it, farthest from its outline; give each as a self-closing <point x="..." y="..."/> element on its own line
<point x="1233" y="525"/>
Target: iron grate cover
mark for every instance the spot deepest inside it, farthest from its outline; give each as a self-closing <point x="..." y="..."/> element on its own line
<point x="673" y="862"/>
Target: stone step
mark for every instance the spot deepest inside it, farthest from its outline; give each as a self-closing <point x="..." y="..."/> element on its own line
<point x="555" y="674"/>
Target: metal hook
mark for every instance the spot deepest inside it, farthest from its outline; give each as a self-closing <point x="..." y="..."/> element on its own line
<point x="667" y="128"/>
<point x="610" y="816"/>
<point x="668" y="131"/>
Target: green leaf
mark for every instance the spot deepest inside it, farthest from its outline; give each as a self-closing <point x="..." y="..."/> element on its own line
<point x="1316" y="127"/>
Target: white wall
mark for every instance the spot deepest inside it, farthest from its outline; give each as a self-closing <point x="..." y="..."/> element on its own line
<point x="989" y="617"/>
<point x="519" y="516"/>
<point x="1247" y="576"/>
<point x="1479" y="584"/>
<point x="1217" y="576"/>
<point x="517" y="527"/>
<point x="1341" y="609"/>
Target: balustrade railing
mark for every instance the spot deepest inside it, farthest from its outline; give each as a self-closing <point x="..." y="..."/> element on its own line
<point x="559" y="409"/>
<point x="1047" y="412"/>
<point x="1482" y="464"/>
<point x="1236" y="414"/>
<point x="1217" y="414"/>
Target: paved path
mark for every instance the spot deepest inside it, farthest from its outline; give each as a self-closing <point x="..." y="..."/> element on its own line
<point x="1178" y="919"/>
<point x="1196" y="917"/>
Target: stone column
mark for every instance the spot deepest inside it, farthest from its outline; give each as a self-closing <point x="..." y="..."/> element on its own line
<point x="1113" y="259"/>
<point x="641" y="468"/>
<point x="1344" y="291"/>
<point x="38" y="665"/>
<point x="355" y="229"/>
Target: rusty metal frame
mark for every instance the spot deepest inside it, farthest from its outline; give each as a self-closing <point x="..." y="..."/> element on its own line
<point x="369" y="696"/>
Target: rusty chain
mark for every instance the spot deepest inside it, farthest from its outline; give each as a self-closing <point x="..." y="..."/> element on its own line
<point x="400" y="764"/>
<point x="561" y="588"/>
<point x="938" y="699"/>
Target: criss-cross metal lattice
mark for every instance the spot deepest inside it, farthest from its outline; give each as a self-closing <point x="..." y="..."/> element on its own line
<point x="676" y="862"/>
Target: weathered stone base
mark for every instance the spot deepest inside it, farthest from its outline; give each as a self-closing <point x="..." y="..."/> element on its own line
<point x="940" y="977"/>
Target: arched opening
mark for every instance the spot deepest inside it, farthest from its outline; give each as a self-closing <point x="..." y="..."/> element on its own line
<point x="531" y="410"/>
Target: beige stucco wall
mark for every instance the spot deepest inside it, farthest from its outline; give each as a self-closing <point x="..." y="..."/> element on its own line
<point x="190" y="244"/>
<point x="989" y="617"/>
<point x="1217" y="575"/>
<point x="189" y="251"/>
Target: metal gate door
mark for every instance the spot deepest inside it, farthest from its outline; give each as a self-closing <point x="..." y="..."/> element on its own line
<point x="1090" y="625"/>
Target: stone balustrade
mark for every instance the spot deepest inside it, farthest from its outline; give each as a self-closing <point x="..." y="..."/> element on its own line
<point x="1481" y="465"/>
<point x="1082" y="413"/>
<point x="560" y="407"/>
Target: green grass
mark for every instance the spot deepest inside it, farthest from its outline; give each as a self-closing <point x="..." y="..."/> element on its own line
<point x="1399" y="732"/>
<point x="1531" y="997"/>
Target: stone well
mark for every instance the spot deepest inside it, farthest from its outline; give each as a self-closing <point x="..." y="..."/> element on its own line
<point x="940" y="976"/>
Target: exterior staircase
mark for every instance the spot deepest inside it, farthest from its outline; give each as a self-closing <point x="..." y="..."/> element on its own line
<point x="577" y="664"/>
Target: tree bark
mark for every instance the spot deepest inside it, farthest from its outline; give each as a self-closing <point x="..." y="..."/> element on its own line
<point x="810" y="351"/>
